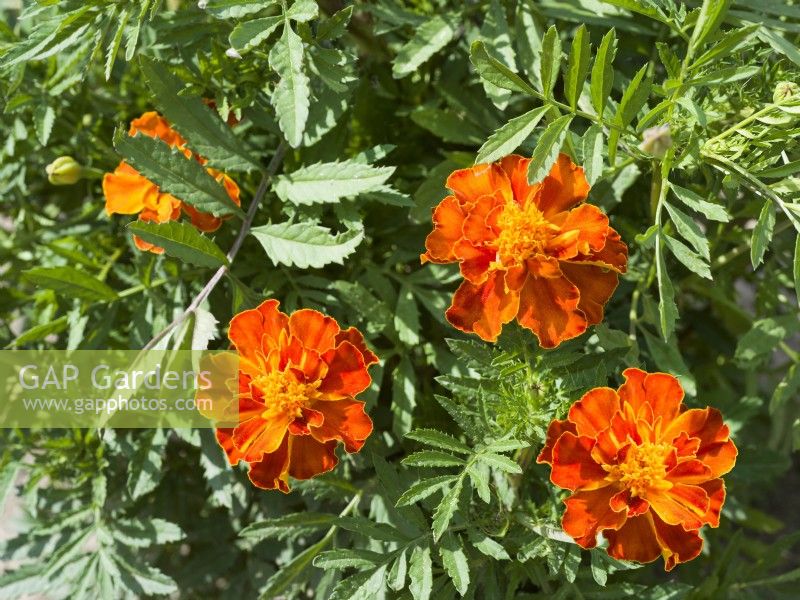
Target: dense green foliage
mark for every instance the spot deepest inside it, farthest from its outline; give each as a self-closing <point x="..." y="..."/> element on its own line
<point x="348" y="121"/>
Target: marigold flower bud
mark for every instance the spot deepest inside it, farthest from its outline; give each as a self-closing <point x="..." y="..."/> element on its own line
<point x="64" y="170"/>
<point x="656" y="141"/>
<point x="786" y="91"/>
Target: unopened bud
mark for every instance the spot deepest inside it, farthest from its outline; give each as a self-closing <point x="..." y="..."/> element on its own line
<point x="786" y="91"/>
<point x="202" y="4"/>
<point x="232" y="53"/>
<point x="64" y="170"/>
<point x="656" y="141"/>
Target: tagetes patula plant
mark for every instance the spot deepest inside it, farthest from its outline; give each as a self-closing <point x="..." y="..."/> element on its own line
<point x="644" y="472"/>
<point x="128" y="192"/>
<point x="537" y="253"/>
<point x="298" y="378"/>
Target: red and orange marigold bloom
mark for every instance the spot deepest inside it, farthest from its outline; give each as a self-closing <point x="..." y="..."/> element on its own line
<point x="128" y="192"/>
<point x="643" y="472"/>
<point x="298" y="378"/>
<point x="534" y="252"/>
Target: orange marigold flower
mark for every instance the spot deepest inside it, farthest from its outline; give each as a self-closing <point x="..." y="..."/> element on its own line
<point x="643" y="472"/>
<point x="128" y="192"/>
<point x="298" y="378"/>
<point x="534" y="252"/>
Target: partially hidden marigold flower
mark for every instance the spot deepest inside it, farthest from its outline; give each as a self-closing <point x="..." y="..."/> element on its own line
<point x="298" y="378"/>
<point x="128" y="192"/>
<point x="534" y="252"/>
<point x="643" y="472"/>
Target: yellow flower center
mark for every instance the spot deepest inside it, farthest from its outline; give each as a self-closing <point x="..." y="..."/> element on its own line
<point x="284" y="394"/>
<point x="643" y="469"/>
<point x="524" y="232"/>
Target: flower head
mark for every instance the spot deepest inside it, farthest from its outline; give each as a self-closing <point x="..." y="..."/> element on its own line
<point x="534" y="252"/>
<point x="643" y="472"/>
<point x="128" y="192"/>
<point x="298" y="378"/>
<point x="656" y="141"/>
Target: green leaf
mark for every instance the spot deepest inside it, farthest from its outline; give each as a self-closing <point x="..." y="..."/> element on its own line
<point x="420" y="573"/>
<point x="690" y="231"/>
<point x="593" y="153"/>
<point x="406" y="316"/>
<point x="432" y="458"/>
<point x="291" y="96"/>
<point x="303" y="10"/>
<point x="236" y="9"/>
<point x="729" y="42"/>
<point x="667" y="311"/>
<point x="455" y="562"/>
<point x="8" y="480"/>
<point x="335" y="26"/>
<point x="281" y="580"/>
<point x="498" y="461"/>
<point x="146" y="533"/>
<point x="397" y="574"/>
<point x="495" y="72"/>
<point x="550" y="61"/>
<point x="430" y="37"/>
<point x="144" y="470"/>
<point x="184" y="178"/>
<point x="344" y="558"/>
<point x="577" y="66"/>
<point x="249" y="34"/>
<point x="39" y="332"/>
<point x="712" y="14"/>
<point x="603" y="71"/>
<point x="44" y="117"/>
<point x="326" y="183"/>
<point x="712" y="211"/>
<point x="762" y="234"/>
<point x="634" y="98"/>
<point x="762" y="339"/>
<point x="116" y="41"/>
<point x="497" y="37"/>
<point x="288" y="525"/>
<point x="487" y="545"/>
<point x="71" y="283"/>
<point x="796" y="269"/>
<point x="208" y="136"/>
<point x="423" y="489"/>
<point x="306" y="244"/>
<point x="548" y="148"/>
<point x="509" y="137"/>
<point x="690" y="260"/>
<point x="446" y="509"/>
<point x="181" y="240"/>
<point x="438" y="439"/>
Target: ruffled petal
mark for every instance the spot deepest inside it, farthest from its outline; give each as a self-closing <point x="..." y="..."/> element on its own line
<point x="343" y="420"/>
<point x="483" y="309"/>
<point x="573" y="465"/>
<point x="473" y="183"/>
<point x="347" y="374"/>
<point x="720" y="457"/>
<point x="594" y="411"/>
<point x="516" y="169"/>
<point x="589" y="512"/>
<point x="635" y="540"/>
<point x="614" y="254"/>
<point x="554" y="431"/>
<point x="308" y="457"/>
<point x="225" y="440"/>
<point x="256" y="330"/>
<point x="474" y="261"/>
<point x="258" y="436"/>
<point x="448" y="219"/>
<point x="683" y="505"/>
<point x="596" y="286"/>
<point x="564" y="187"/>
<point x="677" y="544"/>
<point x="354" y="336"/>
<point x="549" y="308"/>
<point x="314" y="330"/>
<point x="584" y="231"/>
<point x="632" y="391"/>
<point x="154" y="125"/>
<point x="202" y="220"/>
<point x="691" y="472"/>
<point x="271" y="472"/>
<point x="716" y="498"/>
<point x="126" y="191"/>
